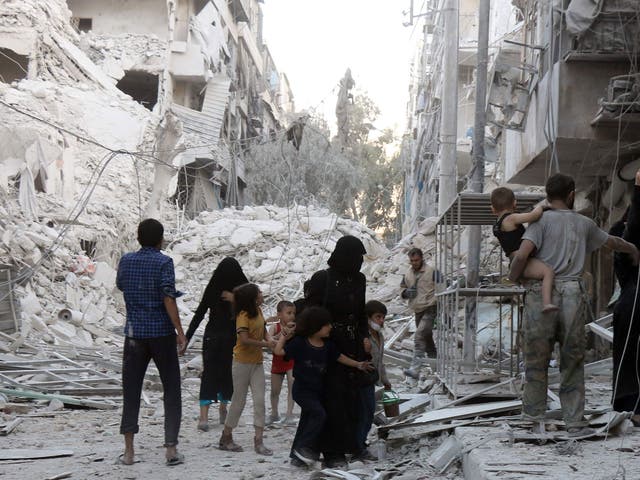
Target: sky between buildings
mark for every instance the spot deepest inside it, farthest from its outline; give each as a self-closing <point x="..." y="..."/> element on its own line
<point x="315" y="41"/>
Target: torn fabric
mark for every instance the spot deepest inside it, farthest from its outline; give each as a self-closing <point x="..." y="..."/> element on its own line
<point x="581" y="14"/>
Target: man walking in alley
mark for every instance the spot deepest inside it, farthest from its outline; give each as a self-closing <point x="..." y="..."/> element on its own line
<point x="419" y="287"/>
<point x="147" y="280"/>
<point x="562" y="239"/>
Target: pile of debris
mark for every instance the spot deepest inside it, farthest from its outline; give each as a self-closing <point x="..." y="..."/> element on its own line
<point x="278" y="248"/>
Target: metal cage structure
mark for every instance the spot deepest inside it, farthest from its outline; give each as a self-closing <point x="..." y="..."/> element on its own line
<point x="504" y="361"/>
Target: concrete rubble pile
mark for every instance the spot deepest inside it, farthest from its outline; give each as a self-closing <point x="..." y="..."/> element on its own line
<point x="115" y="54"/>
<point x="278" y="248"/>
<point x="74" y="88"/>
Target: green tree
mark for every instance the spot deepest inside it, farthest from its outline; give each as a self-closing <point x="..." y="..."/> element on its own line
<point x="350" y="175"/>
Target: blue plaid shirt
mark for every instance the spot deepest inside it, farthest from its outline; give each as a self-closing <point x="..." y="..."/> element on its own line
<point x="145" y="278"/>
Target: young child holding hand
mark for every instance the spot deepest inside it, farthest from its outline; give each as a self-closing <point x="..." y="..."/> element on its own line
<point x="247" y="370"/>
<point x="280" y="368"/>
<point x="312" y="352"/>
<point x="509" y="229"/>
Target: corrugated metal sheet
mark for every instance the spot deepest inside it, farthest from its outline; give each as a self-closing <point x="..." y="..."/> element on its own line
<point x="216" y="99"/>
<point x="207" y="123"/>
<point x="475" y="208"/>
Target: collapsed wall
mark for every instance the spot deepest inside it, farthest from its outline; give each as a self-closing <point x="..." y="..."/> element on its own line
<point x="73" y="194"/>
<point x="278" y="248"/>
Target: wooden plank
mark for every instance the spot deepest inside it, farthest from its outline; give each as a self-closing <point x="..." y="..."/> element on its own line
<point x="479" y="393"/>
<point x="412" y="405"/>
<point x="8" y="428"/>
<point x="602" y="332"/>
<point x="396" y="335"/>
<point x="83" y="382"/>
<point x="529" y="471"/>
<point x="23" y="371"/>
<point x="455" y="413"/>
<point x="397" y="354"/>
<point x="554" y="404"/>
<point x="32" y="454"/>
<point x="96" y="391"/>
<point x="60" y="476"/>
<point x="595" y="368"/>
<point x="63" y="398"/>
<point x="68" y="360"/>
<point x="605" y="321"/>
<point x="396" y="360"/>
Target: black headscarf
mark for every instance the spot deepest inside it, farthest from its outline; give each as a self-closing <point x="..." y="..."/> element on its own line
<point x="227" y="276"/>
<point x="347" y="256"/>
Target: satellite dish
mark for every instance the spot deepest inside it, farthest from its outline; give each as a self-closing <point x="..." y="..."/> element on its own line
<point x="628" y="172"/>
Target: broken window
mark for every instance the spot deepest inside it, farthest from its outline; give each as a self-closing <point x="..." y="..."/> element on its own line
<point x="88" y="247"/>
<point x="39" y="182"/>
<point x="85" y="24"/>
<point x="141" y="86"/>
<point x="13" y="66"/>
<point x="82" y="24"/>
<point x="189" y="94"/>
<point x="196" y="192"/>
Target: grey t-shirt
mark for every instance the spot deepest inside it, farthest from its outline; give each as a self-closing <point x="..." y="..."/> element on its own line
<point x="563" y="238"/>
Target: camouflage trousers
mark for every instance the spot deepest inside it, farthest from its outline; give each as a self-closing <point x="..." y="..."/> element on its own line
<point x="541" y="332"/>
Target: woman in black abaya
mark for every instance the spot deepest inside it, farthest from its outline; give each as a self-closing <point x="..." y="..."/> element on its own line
<point x="219" y="338"/>
<point x="626" y="315"/>
<point x="341" y="290"/>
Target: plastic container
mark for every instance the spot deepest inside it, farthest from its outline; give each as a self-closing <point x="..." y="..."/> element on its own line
<point x="391" y="403"/>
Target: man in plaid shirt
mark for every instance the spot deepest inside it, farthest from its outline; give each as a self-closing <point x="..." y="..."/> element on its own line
<point x="152" y="331"/>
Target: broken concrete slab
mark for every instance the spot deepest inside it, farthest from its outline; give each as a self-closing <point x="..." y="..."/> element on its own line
<point x="459" y="412"/>
<point x="32" y="454"/>
<point x="448" y="451"/>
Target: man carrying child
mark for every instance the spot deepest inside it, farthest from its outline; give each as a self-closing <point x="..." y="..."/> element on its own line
<point x="562" y="239"/>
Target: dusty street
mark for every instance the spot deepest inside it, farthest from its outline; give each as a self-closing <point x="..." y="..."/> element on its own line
<point x="94" y="439"/>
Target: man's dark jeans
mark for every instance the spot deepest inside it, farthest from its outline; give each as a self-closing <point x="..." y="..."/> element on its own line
<point x="312" y="419"/>
<point x="136" y="356"/>
<point x="423" y="338"/>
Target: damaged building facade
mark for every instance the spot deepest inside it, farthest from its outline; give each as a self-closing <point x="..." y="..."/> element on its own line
<point x="114" y="111"/>
<point x="204" y="62"/>
<point x="561" y="96"/>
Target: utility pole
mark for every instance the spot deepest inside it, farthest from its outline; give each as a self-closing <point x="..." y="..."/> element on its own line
<point x="449" y="121"/>
<point x="477" y="177"/>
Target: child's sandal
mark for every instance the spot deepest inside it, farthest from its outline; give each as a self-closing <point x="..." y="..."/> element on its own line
<point x="226" y="443"/>
<point x="260" y="448"/>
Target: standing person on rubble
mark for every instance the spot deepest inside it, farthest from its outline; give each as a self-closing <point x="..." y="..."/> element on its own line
<point x="341" y="290"/>
<point x="247" y="369"/>
<point x="562" y="239"/>
<point x="152" y="331"/>
<point x="626" y="315"/>
<point x="419" y="287"/>
<point x="216" y="383"/>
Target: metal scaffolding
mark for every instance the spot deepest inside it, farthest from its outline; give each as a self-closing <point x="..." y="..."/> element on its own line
<point x="473" y="209"/>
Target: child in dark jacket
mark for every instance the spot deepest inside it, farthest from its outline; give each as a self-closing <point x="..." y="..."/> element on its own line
<point x="312" y="352"/>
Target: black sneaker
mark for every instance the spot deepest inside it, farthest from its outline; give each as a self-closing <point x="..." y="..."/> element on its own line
<point x="306" y="455"/>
